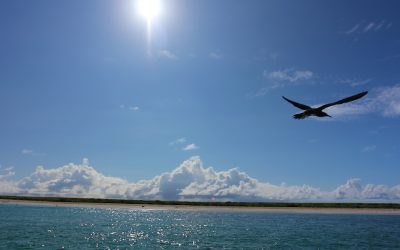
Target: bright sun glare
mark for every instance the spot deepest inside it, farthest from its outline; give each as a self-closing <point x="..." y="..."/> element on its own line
<point x="149" y="8"/>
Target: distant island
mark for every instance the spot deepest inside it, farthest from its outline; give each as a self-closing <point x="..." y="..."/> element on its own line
<point x="207" y="203"/>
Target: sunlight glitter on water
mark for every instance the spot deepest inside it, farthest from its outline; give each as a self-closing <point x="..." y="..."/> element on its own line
<point x="37" y="227"/>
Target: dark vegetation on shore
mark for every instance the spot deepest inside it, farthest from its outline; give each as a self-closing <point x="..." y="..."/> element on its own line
<point x="206" y="203"/>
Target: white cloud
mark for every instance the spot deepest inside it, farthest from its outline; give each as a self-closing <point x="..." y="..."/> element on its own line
<point x="282" y="78"/>
<point x="354" y="191"/>
<point x="31" y="152"/>
<point x="355" y="82"/>
<point x="72" y="180"/>
<point x="261" y="92"/>
<point x="192" y="55"/>
<point x="313" y="140"/>
<point x="167" y="54"/>
<point x="264" y="55"/>
<point x="384" y="101"/>
<point x="189" y="181"/>
<point x="26" y="151"/>
<point x="190" y="147"/>
<point x="274" y="56"/>
<point x="178" y="141"/>
<point x="7" y="186"/>
<point x="369" y="148"/>
<point x="391" y="57"/>
<point x="289" y="75"/>
<point x="351" y="190"/>
<point x="131" y="108"/>
<point x="134" y="108"/>
<point x="354" y="29"/>
<point x="379" y="26"/>
<point x="214" y="55"/>
<point x="349" y="109"/>
<point x="367" y="27"/>
<point x="388" y="99"/>
<point x="6" y="172"/>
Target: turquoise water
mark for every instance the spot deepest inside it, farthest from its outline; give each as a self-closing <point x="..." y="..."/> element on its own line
<point x="42" y="227"/>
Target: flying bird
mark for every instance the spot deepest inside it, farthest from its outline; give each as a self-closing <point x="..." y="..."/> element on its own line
<point x="309" y="111"/>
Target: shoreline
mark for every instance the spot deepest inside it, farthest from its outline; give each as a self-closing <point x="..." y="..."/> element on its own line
<point x="199" y="208"/>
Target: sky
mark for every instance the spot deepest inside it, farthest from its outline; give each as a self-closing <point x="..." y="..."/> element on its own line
<point x="97" y="100"/>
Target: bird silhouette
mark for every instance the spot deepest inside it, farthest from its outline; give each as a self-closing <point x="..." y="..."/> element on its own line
<point x="309" y="111"/>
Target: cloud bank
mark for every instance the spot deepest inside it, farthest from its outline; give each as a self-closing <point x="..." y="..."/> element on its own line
<point x="189" y="181"/>
<point x="6" y="186"/>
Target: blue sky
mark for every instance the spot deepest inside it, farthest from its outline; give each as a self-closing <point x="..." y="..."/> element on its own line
<point x="80" y="79"/>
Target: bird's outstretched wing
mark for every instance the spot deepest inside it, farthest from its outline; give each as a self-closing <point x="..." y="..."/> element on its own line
<point x="347" y="99"/>
<point x="296" y="104"/>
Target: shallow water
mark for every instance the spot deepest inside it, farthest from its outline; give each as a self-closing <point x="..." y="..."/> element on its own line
<point x="46" y="227"/>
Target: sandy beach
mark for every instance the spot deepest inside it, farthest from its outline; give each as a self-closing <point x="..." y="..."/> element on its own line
<point x="366" y="211"/>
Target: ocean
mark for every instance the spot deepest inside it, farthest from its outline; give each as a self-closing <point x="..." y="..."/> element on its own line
<point x="50" y="227"/>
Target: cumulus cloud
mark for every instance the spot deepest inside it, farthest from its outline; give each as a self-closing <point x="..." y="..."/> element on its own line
<point x="167" y="54"/>
<point x="384" y="101"/>
<point x="190" y="147"/>
<point x="189" y="181"/>
<point x="7" y="186"/>
<point x="6" y="172"/>
<point x="353" y="190"/>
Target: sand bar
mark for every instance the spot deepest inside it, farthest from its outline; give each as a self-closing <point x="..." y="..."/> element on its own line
<point x="366" y="211"/>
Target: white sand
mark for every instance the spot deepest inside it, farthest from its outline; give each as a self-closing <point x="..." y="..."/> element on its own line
<point x="378" y="211"/>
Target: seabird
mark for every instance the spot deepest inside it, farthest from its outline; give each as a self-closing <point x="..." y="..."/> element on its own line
<point x="309" y="111"/>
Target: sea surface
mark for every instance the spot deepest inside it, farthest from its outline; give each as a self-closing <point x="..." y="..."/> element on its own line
<point x="49" y="227"/>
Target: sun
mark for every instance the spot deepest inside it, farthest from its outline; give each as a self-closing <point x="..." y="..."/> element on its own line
<point x="149" y="8"/>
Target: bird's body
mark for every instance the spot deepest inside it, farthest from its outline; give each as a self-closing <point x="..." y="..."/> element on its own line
<point x="309" y="111"/>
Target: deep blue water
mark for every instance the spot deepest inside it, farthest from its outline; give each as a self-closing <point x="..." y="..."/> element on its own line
<point x="43" y="227"/>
